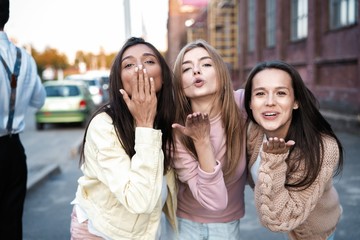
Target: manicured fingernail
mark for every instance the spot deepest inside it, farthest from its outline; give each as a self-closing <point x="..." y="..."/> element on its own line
<point x="136" y="69"/>
<point x="151" y="79"/>
<point x="121" y="91"/>
<point x="144" y="70"/>
<point x="140" y="67"/>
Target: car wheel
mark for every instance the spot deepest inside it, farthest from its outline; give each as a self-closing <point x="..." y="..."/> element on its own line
<point x="39" y="126"/>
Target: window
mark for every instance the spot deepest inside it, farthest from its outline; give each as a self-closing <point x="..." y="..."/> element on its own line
<point x="251" y="25"/>
<point x="343" y="13"/>
<point x="299" y="19"/>
<point x="270" y="23"/>
<point x="62" y="91"/>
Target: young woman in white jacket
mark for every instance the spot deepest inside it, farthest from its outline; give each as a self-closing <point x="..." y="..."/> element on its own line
<point x="126" y="160"/>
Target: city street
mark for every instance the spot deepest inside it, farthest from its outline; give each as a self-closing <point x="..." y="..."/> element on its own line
<point x="48" y="209"/>
<point x="46" y="214"/>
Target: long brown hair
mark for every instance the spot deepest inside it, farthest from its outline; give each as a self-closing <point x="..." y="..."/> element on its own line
<point x="123" y="121"/>
<point x="231" y="117"/>
<point x="307" y="126"/>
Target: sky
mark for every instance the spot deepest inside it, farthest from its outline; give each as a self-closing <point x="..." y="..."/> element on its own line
<point x="87" y="25"/>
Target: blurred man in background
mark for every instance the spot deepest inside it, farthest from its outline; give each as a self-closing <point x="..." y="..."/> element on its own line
<point x="20" y="87"/>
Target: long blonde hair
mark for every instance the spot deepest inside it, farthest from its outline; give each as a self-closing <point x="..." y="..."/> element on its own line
<point x="232" y="120"/>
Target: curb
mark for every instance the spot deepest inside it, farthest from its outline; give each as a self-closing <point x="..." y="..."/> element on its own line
<point x="345" y="122"/>
<point x="39" y="174"/>
<point x="35" y="179"/>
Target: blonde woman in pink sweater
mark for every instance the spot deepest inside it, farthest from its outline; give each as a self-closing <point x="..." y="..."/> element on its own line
<point x="210" y="146"/>
<point x="293" y="155"/>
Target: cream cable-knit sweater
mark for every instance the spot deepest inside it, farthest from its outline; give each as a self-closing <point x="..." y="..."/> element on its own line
<point x="309" y="214"/>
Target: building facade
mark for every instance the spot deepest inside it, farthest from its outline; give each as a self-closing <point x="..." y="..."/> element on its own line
<point x="321" y="38"/>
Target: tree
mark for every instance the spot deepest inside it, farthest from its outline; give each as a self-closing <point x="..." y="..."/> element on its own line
<point x="51" y="57"/>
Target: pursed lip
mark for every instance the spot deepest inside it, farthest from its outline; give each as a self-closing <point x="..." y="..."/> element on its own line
<point x="198" y="82"/>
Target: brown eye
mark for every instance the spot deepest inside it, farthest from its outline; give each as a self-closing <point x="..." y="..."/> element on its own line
<point x="150" y="62"/>
<point x="259" y="93"/>
<point x="186" y="69"/>
<point x="129" y="65"/>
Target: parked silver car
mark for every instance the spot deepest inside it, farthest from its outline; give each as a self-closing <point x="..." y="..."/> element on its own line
<point x="94" y="85"/>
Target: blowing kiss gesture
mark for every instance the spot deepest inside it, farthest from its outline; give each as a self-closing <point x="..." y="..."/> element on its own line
<point x="142" y="100"/>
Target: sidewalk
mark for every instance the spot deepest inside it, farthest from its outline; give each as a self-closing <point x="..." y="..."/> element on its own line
<point x="343" y="122"/>
<point x="39" y="172"/>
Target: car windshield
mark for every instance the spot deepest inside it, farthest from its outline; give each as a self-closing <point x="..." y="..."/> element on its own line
<point x="62" y="91"/>
<point x="91" y="82"/>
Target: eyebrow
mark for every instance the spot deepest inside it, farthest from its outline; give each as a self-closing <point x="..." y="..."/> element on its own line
<point x="277" y="88"/>
<point x="144" y="55"/>
<point x="202" y="58"/>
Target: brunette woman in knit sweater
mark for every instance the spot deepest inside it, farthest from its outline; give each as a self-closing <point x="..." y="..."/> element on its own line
<point x="293" y="155"/>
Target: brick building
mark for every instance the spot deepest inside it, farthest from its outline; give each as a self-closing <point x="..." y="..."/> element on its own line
<point x="181" y="13"/>
<point x="321" y="38"/>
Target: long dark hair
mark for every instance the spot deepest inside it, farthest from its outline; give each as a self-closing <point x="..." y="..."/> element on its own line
<point x="123" y="121"/>
<point x="307" y="126"/>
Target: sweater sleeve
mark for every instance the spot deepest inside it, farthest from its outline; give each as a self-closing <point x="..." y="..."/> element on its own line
<point x="282" y="209"/>
<point x="207" y="188"/>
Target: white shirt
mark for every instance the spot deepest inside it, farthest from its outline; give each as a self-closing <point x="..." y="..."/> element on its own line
<point x="255" y="167"/>
<point x="29" y="90"/>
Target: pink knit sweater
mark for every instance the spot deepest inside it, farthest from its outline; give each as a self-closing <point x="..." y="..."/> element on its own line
<point x="206" y="197"/>
<point x="309" y="214"/>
